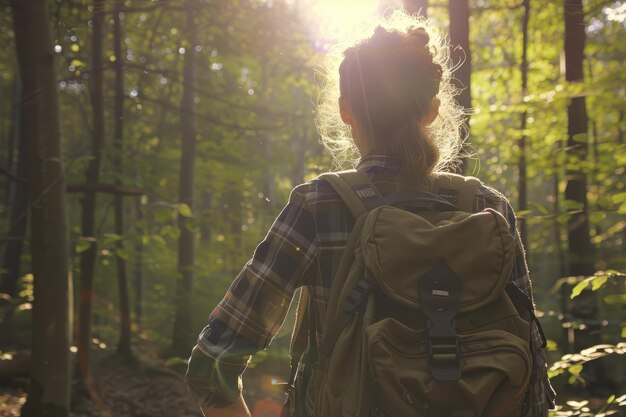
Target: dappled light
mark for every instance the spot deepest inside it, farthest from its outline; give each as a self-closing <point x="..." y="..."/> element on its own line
<point x="161" y="200"/>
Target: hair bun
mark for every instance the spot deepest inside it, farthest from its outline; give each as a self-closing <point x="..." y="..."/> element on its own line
<point x="418" y="37"/>
<point x="385" y="40"/>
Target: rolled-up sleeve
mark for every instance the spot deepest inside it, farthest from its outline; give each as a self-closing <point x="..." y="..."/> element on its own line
<point x="255" y="305"/>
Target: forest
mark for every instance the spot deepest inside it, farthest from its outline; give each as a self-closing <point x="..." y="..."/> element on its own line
<point x="146" y="147"/>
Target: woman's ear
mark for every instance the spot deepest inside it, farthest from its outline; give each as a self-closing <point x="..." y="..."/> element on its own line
<point x="345" y="111"/>
<point x="433" y="112"/>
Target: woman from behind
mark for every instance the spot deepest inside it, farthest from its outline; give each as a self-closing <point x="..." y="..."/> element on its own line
<point x="387" y="102"/>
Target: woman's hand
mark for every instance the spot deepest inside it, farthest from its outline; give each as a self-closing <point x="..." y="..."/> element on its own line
<point x="236" y="409"/>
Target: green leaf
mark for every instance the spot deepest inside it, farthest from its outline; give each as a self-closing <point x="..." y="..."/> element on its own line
<point x="110" y="238"/>
<point x="122" y="253"/>
<point x="578" y="289"/>
<point x="84" y="244"/>
<point x="572" y="205"/>
<point x="184" y="210"/>
<point x="598" y="282"/>
<point x="619" y="198"/>
<point x="614" y="299"/>
<point x="575" y="369"/>
<point x="551" y="346"/>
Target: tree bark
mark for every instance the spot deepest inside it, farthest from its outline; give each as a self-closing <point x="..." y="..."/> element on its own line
<point x="124" y="342"/>
<point x="88" y="222"/>
<point x="138" y="273"/>
<point x="50" y="375"/>
<point x="419" y="7"/>
<point x="183" y="337"/>
<point x="521" y="183"/>
<point x="17" y="202"/>
<point x="580" y="246"/>
<point x="459" y="13"/>
<point x="581" y="251"/>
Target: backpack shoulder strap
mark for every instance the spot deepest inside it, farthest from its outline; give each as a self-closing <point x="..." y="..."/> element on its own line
<point x="355" y="189"/>
<point x="303" y="333"/>
<point x="457" y="189"/>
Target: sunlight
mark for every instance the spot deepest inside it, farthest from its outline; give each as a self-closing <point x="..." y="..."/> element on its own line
<point x="332" y="20"/>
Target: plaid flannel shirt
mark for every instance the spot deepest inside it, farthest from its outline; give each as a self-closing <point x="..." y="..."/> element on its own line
<point x="303" y="248"/>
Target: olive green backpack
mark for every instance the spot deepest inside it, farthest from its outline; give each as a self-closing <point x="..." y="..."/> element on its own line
<point x="422" y="319"/>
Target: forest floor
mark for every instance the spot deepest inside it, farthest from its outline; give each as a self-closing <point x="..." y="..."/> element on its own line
<point x="147" y="389"/>
<point x="154" y="387"/>
<point x="151" y="387"/>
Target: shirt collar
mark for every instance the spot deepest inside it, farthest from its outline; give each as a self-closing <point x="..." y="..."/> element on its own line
<point x="379" y="160"/>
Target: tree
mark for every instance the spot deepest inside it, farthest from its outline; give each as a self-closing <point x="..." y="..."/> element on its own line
<point x="581" y="251"/>
<point x="521" y="181"/>
<point x="17" y="199"/>
<point x="183" y="335"/>
<point x="459" y="13"/>
<point x="50" y="376"/>
<point x="88" y="223"/>
<point x="124" y="342"/>
<point x="580" y="247"/>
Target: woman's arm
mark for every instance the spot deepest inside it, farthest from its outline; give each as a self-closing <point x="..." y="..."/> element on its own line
<point x="253" y="309"/>
<point x="237" y="409"/>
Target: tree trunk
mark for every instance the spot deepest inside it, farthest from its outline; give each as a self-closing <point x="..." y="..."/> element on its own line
<point x="419" y="7"/>
<point x="459" y="13"/>
<point x="88" y="221"/>
<point x="300" y="144"/>
<point x="521" y="184"/>
<point x="580" y="247"/>
<point x="17" y="202"/>
<point x="183" y="337"/>
<point x="124" y="342"/>
<point x="49" y="392"/>
<point x="581" y="252"/>
<point x="138" y="282"/>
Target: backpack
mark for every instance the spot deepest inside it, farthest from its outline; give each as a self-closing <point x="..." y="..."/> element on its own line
<point x="422" y="319"/>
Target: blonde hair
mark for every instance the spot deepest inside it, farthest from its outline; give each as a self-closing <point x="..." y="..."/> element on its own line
<point x="390" y="76"/>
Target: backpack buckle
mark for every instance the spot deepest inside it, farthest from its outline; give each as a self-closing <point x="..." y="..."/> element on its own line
<point x="356" y="296"/>
<point x="443" y="354"/>
<point x="439" y="293"/>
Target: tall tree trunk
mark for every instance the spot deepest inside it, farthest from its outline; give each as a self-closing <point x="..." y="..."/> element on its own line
<point x="300" y="144"/>
<point x="580" y="247"/>
<point x="50" y="375"/>
<point x="521" y="183"/>
<point x="138" y="281"/>
<point x="459" y="13"/>
<point x="124" y="342"/>
<point x="14" y="127"/>
<point x="17" y="202"/>
<point x="183" y="336"/>
<point x="88" y="222"/>
<point x="581" y="252"/>
<point x="419" y="7"/>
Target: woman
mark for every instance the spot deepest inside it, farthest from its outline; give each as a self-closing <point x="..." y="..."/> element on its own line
<point x="394" y="102"/>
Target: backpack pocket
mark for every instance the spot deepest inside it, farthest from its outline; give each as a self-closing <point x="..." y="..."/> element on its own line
<point x="495" y="372"/>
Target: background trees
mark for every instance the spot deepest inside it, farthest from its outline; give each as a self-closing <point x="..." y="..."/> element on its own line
<point x="50" y="377"/>
<point x="235" y="81"/>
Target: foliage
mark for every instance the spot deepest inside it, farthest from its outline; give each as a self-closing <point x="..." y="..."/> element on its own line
<point x="256" y="140"/>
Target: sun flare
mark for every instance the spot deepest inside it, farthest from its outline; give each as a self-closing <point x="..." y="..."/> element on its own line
<point x="331" y="20"/>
